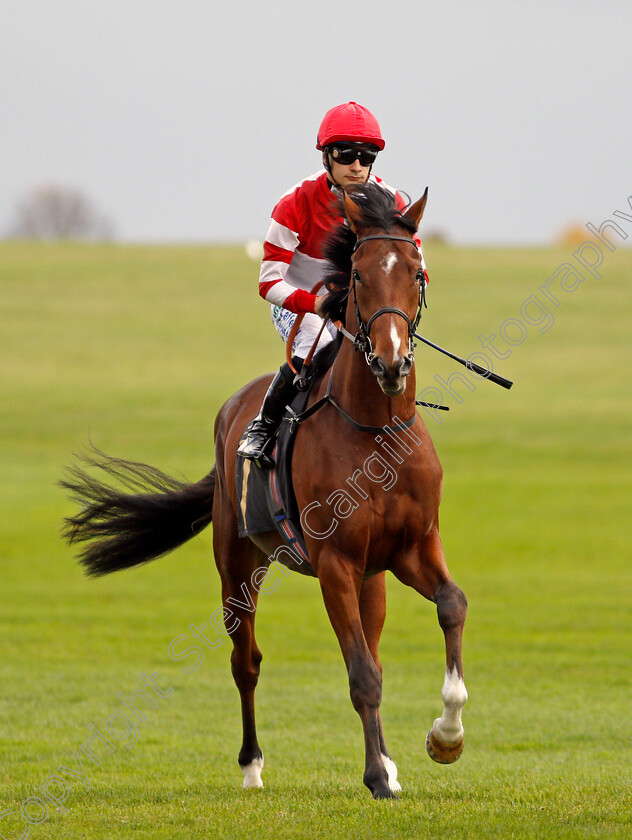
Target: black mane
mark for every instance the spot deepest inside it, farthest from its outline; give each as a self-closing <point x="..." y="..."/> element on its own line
<point x="378" y="208"/>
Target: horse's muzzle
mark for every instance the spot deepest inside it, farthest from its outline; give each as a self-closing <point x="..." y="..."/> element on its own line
<point x="391" y="379"/>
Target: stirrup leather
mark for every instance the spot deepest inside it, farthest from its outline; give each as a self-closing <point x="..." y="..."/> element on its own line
<point x="261" y="433"/>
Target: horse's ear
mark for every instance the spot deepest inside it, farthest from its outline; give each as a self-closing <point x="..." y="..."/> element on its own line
<point x="416" y="210"/>
<point x="353" y="213"/>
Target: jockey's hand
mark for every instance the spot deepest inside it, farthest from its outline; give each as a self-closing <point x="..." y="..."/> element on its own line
<point x="318" y="304"/>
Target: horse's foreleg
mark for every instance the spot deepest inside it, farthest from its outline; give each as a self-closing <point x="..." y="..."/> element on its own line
<point x="445" y="739"/>
<point x="236" y="560"/>
<point x="428" y="574"/>
<point x="372" y="614"/>
<point x="340" y="584"/>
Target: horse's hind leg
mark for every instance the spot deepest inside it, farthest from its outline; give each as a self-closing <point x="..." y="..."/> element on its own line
<point x="237" y="558"/>
<point x="373" y="613"/>
<point x="428" y="574"/>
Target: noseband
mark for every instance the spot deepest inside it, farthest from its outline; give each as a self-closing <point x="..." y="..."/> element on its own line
<point x="362" y="340"/>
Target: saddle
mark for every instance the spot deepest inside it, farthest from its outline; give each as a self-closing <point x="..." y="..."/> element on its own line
<point x="266" y="500"/>
<point x="266" y="497"/>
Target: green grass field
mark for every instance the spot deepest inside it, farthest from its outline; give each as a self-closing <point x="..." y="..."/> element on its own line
<point x="137" y="348"/>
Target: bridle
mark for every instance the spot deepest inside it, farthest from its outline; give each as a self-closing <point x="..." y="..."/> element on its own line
<point x="362" y="339"/>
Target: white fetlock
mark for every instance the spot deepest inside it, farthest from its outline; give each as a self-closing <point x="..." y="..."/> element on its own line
<point x="448" y="728"/>
<point x="252" y="773"/>
<point x="391" y="769"/>
<point x="445" y="740"/>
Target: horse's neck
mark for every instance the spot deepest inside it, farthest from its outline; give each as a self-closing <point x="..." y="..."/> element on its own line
<point x="356" y="389"/>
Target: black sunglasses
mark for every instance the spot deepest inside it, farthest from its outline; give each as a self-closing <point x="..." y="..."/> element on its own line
<point x="346" y="155"/>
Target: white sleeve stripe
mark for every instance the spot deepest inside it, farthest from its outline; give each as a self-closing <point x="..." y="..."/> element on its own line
<point x="272" y="270"/>
<point x="279" y="292"/>
<point x="282" y="236"/>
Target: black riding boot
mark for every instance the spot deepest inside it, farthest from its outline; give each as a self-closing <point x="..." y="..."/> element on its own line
<point x="262" y="430"/>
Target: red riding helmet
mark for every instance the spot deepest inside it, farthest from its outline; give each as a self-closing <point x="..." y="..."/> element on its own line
<point x="351" y="123"/>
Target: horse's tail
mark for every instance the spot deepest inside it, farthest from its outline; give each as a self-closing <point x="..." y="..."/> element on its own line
<point x="121" y="529"/>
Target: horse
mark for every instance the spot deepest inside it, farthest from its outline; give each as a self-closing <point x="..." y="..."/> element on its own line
<point x="369" y="500"/>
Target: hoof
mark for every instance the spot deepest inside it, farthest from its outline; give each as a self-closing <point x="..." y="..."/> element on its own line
<point x="378" y="784"/>
<point x="384" y="794"/>
<point x="441" y="752"/>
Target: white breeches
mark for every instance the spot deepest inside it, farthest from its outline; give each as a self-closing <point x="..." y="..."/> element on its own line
<point x="283" y="320"/>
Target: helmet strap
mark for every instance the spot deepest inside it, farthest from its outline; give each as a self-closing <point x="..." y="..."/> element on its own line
<point x="327" y="165"/>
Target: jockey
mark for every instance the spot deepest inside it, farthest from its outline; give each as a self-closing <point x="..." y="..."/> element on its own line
<point x="349" y="139"/>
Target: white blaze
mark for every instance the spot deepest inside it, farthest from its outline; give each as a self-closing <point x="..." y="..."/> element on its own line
<point x="396" y="340"/>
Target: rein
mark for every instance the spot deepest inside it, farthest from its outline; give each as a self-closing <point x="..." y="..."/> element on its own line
<point x="295" y="420"/>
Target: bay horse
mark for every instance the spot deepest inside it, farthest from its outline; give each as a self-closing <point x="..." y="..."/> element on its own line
<point x="365" y="509"/>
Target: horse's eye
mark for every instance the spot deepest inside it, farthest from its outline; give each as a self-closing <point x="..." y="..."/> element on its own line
<point x="356" y="277"/>
<point x="419" y="277"/>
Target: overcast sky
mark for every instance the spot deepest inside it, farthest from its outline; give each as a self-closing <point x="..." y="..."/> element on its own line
<point x="187" y="120"/>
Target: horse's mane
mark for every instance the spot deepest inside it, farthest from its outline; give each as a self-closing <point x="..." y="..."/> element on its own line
<point x="378" y="209"/>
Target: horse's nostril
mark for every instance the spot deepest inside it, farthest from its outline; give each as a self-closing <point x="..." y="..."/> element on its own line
<point x="378" y="366"/>
<point x="405" y="366"/>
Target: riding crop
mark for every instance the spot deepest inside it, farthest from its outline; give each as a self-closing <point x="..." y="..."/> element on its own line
<point x="481" y="371"/>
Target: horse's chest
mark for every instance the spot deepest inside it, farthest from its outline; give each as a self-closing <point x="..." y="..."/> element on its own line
<point x="369" y="503"/>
